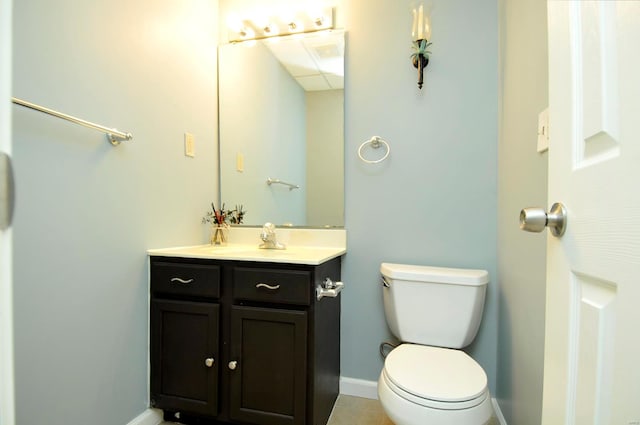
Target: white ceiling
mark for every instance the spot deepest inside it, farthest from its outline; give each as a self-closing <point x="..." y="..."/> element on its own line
<point x="315" y="60"/>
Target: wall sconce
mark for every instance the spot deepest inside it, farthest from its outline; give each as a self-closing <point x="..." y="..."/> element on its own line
<point x="261" y="27"/>
<point x="420" y="34"/>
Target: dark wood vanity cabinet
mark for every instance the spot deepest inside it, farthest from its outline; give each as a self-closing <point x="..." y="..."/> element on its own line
<point x="243" y="342"/>
<point x="268" y="385"/>
<point x="184" y="336"/>
<point x="184" y="347"/>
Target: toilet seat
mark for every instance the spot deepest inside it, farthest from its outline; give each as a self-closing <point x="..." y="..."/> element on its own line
<point x="435" y="377"/>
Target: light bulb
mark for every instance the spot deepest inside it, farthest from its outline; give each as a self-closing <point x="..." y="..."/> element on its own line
<point x="247" y="33"/>
<point x="234" y="22"/>
<point x="271" y="30"/>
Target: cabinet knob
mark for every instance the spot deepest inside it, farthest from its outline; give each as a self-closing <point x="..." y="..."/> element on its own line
<point x="233" y="364"/>
<point x="209" y="362"/>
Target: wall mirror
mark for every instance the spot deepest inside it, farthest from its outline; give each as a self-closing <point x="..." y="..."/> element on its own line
<point x="281" y="121"/>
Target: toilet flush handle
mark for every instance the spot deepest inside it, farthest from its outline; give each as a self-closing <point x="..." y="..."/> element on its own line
<point x="328" y="288"/>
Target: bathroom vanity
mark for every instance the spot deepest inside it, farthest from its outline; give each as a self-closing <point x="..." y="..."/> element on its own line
<point x="245" y="336"/>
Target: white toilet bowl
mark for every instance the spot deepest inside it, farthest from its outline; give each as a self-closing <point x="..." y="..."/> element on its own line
<point x="429" y="308"/>
<point x="423" y="385"/>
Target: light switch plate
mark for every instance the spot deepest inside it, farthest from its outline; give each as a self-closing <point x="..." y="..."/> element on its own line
<point x="239" y="162"/>
<point x="189" y="145"/>
<point x="543" y="130"/>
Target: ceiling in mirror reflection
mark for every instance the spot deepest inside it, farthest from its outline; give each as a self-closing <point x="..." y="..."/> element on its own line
<point x="282" y="118"/>
<point x="315" y="62"/>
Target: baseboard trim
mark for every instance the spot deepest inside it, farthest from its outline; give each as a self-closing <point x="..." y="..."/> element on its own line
<point x="496" y="409"/>
<point x="148" y="417"/>
<point x="358" y="387"/>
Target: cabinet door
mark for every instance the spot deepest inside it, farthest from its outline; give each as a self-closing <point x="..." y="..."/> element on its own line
<point x="268" y="381"/>
<point x="184" y="355"/>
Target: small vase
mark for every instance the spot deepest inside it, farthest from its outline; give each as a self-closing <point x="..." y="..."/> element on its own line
<point x="219" y="234"/>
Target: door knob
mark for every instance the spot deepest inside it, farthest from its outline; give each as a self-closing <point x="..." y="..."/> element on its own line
<point x="536" y="219"/>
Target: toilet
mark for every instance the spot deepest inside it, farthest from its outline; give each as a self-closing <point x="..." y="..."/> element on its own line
<point x="428" y="379"/>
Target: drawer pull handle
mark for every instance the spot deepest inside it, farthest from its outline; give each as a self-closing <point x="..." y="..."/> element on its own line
<point x="182" y="281"/>
<point x="209" y="362"/>
<point x="264" y="285"/>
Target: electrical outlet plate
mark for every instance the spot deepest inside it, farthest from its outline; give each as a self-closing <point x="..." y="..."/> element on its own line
<point x="543" y="130"/>
<point x="189" y="145"/>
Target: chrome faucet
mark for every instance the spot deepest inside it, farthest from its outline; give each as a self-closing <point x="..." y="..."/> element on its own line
<point x="268" y="236"/>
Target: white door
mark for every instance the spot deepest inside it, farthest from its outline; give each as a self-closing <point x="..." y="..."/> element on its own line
<point x="592" y="344"/>
<point x="6" y="312"/>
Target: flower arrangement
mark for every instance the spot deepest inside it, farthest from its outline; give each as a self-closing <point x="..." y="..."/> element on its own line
<point x="222" y="216"/>
<point x="220" y="220"/>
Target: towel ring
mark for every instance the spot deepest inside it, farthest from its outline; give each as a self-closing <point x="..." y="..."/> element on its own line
<point x="375" y="143"/>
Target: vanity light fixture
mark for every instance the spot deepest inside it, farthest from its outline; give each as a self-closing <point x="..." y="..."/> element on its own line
<point x="420" y="34"/>
<point x="244" y="29"/>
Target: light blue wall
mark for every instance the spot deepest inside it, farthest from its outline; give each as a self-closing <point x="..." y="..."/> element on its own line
<point x="433" y="201"/>
<point x="86" y="212"/>
<point x="522" y="183"/>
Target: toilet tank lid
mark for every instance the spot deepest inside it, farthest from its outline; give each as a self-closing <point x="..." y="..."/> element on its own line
<point x="469" y="277"/>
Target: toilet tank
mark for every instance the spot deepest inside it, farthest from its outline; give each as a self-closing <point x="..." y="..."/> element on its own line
<point x="433" y="305"/>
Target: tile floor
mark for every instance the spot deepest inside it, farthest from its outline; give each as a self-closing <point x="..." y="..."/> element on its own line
<point x="350" y="410"/>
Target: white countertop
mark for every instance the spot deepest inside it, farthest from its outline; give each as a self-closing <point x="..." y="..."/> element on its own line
<point x="319" y="246"/>
<point x="291" y="255"/>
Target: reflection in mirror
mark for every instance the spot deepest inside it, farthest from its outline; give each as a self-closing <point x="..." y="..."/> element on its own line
<point x="282" y="118"/>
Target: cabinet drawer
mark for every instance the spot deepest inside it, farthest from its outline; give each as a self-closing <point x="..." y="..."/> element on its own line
<point x="186" y="279"/>
<point x="272" y="285"/>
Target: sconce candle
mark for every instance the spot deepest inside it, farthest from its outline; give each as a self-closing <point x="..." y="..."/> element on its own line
<point x="420" y="21"/>
<point x="420" y="32"/>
